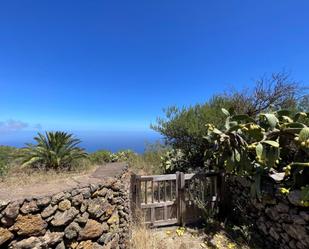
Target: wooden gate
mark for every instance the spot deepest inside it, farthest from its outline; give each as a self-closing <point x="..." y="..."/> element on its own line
<point x="173" y="199"/>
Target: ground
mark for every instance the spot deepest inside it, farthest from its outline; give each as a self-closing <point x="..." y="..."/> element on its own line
<point x="42" y="183"/>
<point x="186" y="238"/>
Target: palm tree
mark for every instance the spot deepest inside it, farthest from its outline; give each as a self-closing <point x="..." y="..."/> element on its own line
<point x="54" y="150"/>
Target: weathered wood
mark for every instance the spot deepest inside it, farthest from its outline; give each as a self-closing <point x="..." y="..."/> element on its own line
<point x="161" y="207"/>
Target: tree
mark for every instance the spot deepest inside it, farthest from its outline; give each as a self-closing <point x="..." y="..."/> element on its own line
<point x="276" y="92"/>
<point x="184" y="128"/>
<point x="55" y="150"/>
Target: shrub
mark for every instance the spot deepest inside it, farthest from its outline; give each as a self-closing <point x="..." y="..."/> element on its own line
<point x="101" y="157"/>
<point x="274" y="145"/>
<point x="183" y="128"/>
<point x="54" y="150"/>
<point x="8" y="157"/>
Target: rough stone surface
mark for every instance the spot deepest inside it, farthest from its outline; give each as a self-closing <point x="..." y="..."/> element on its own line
<point x="5" y="235"/>
<point x="29" y="207"/>
<point x="64" y="205"/>
<point x="46" y="241"/>
<point x="64" y="218"/>
<point x="71" y="231"/>
<point x="48" y="211"/>
<point x="92" y="229"/>
<point x="282" y="223"/>
<point x="89" y="215"/>
<point x="12" y="210"/>
<point x="88" y="244"/>
<point x="29" y="225"/>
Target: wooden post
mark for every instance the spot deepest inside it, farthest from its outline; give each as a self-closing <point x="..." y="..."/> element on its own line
<point x="181" y="204"/>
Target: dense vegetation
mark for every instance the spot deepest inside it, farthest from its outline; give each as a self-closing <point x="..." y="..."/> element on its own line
<point x="184" y="128"/>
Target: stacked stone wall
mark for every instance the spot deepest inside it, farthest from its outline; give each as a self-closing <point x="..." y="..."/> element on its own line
<point x="281" y="221"/>
<point x="93" y="216"/>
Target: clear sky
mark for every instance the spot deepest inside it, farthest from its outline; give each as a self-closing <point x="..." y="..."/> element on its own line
<point x="113" y="65"/>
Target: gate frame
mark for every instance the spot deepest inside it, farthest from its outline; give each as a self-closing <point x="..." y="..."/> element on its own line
<point x="180" y="201"/>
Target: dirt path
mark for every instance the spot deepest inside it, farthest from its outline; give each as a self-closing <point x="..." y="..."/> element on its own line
<point x="60" y="183"/>
<point x="184" y="238"/>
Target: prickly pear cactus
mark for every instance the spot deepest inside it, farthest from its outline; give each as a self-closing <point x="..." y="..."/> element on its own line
<point x="252" y="147"/>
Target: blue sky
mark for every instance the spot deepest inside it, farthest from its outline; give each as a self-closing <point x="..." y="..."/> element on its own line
<point x="113" y="65"/>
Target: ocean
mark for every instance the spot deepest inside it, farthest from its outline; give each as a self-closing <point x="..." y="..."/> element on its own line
<point x="92" y="140"/>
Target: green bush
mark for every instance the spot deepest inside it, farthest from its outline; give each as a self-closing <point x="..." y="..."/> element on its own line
<point x="100" y="157"/>
<point x="183" y="128"/>
<point x="273" y="145"/>
<point x="8" y="157"/>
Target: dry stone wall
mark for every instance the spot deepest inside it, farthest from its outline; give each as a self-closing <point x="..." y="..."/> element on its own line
<point x="281" y="222"/>
<point x="94" y="216"/>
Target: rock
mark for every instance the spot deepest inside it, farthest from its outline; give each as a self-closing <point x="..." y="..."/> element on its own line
<point x="52" y="238"/>
<point x="304" y="215"/>
<point x="97" y="207"/>
<point x="30" y="243"/>
<point x="61" y="245"/>
<point x="64" y="205"/>
<point x="43" y="202"/>
<point x="272" y="213"/>
<point x="71" y="231"/>
<point x="102" y="192"/>
<point x="82" y="219"/>
<point x="263" y="228"/>
<point x="88" y="245"/>
<point x="295" y="231"/>
<point x="58" y="197"/>
<point x="7" y="222"/>
<point x="114" y="219"/>
<point x="113" y="244"/>
<point x="5" y="235"/>
<point x="64" y="218"/>
<point x="92" y="229"/>
<point x="46" y="241"/>
<point x="85" y="192"/>
<point x="282" y="208"/>
<point x="294" y="197"/>
<point x="12" y="210"/>
<point x="297" y="219"/>
<point x="77" y="200"/>
<point x="29" y="207"/>
<point x="273" y="233"/>
<point x="48" y="211"/>
<point x="29" y="225"/>
<point x="105" y="238"/>
<point x="3" y="204"/>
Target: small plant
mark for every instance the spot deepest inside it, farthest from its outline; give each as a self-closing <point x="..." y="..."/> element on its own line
<point x="54" y="150"/>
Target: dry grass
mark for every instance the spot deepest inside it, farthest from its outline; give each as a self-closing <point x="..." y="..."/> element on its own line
<point x="145" y="238"/>
<point x="27" y="176"/>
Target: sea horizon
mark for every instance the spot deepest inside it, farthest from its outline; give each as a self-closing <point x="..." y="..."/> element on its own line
<point x="92" y="140"/>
